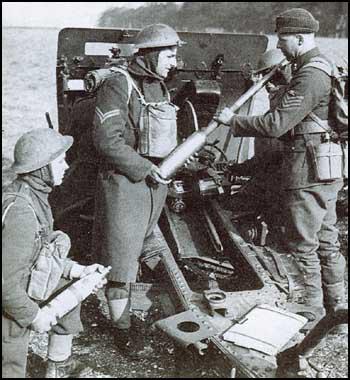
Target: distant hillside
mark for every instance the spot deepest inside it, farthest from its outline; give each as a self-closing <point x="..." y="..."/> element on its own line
<point x="241" y="17"/>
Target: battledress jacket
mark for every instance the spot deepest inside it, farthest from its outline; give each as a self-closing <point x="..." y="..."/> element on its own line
<point x="20" y="243"/>
<point x="126" y="208"/>
<point x="309" y="90"/>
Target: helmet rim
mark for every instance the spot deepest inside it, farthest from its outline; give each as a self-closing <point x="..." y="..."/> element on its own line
<point x="19" y="167"/>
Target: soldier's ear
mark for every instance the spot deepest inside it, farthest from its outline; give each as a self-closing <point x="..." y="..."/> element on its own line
<point x="300" y="39"/>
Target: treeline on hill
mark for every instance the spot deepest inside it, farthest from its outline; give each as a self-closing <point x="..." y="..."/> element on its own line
<point x="239" y="17"/>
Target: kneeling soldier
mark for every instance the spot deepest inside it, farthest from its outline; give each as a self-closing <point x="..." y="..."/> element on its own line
<point x="34" y="258"/>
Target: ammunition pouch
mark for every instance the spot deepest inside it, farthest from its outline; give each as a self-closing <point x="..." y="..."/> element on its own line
<point x="327" y="160"/>
<point x="158" y="130"/>
<point x="48" y="267"/>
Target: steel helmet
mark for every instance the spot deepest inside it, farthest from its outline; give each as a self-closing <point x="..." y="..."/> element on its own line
<point x="157" y="35"/>
<point x="37" y="148"/>
<point x="269" y="59"/>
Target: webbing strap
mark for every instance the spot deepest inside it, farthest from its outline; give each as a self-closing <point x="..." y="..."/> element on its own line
<point x="132" y="85"/>
<point x="321" y="64"/>
<point x="23" y="196"/>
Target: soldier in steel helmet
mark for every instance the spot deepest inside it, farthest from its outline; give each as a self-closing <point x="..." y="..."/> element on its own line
<point x="28" y="225"/>
<point x="134" y="129"/>
<point x="301" y="121"/>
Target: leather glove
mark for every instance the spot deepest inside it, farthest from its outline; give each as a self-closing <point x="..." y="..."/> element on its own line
<point x="43" y="322"/>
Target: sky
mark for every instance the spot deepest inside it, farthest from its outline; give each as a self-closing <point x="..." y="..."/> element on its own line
<point x="57" y="14"/>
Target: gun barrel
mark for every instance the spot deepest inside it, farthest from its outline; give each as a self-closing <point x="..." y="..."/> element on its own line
<point x="197" y="140"/>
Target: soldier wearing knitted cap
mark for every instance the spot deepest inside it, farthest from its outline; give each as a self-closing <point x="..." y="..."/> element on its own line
<point x="301" y="121"/>
<point x="296" y="20"/>
<point x="134" y="128"/>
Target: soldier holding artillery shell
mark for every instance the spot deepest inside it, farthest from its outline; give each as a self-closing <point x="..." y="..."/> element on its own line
<point x="34" y="258"/>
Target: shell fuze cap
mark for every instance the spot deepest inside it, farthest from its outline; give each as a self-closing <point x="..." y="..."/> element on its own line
<point x="37" y="148"/>
<point x="296" y="20"/>
<point x="157" y="35"/>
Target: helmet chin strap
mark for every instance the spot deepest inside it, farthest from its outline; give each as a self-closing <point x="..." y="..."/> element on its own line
<point x="47" y="175"/>
<point x="150" y="57"/>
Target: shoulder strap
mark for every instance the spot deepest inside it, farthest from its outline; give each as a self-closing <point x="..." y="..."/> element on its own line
<point x="7" y="208"/>
<point x="9" y="195"/>
<point x="319" y="122"/>
<point x="321" y="64"/>
<point x="131" y="83"/>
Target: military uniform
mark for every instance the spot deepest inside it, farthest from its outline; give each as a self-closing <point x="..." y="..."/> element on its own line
<point x="20" y="244"/>
<point x="310" y="204"/>
<point x="127" y="207"/>
<point x="134" y="129"/>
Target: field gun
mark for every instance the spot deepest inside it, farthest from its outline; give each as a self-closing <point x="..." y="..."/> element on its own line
<point x="234" y="300"/>
<point x="198" y="139"/>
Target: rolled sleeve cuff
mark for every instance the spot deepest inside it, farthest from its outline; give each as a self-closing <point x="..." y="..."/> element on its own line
<point x="76" y="270"/>
<point x="25" y="317"/>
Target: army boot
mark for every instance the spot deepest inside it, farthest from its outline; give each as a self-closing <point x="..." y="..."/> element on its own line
<point x="60" y="362"/>
<point x="67" y="368"/>
<point x="128" y="339"/>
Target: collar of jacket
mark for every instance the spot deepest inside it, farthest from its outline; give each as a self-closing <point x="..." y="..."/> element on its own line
<point x="138" y="68"/>
<point x="305" y="58"/>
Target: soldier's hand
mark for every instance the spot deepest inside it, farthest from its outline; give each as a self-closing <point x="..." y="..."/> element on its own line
<point x="224" y="117"/>
<point x="91" y="269"/>
<point x="156" y="176"/>
<point x="271" y="88"/>
<point x="43" y="321"/>
<point x="191" y="160"/>
<point x="80" y="271"/>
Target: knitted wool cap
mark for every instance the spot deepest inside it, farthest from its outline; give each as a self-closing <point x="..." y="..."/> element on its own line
<point x="296" y="20"/>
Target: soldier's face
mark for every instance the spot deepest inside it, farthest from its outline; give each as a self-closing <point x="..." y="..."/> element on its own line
<point x="289" y="45"/>
<point x="58" y="168"/>
<point x="166" y="61"/>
